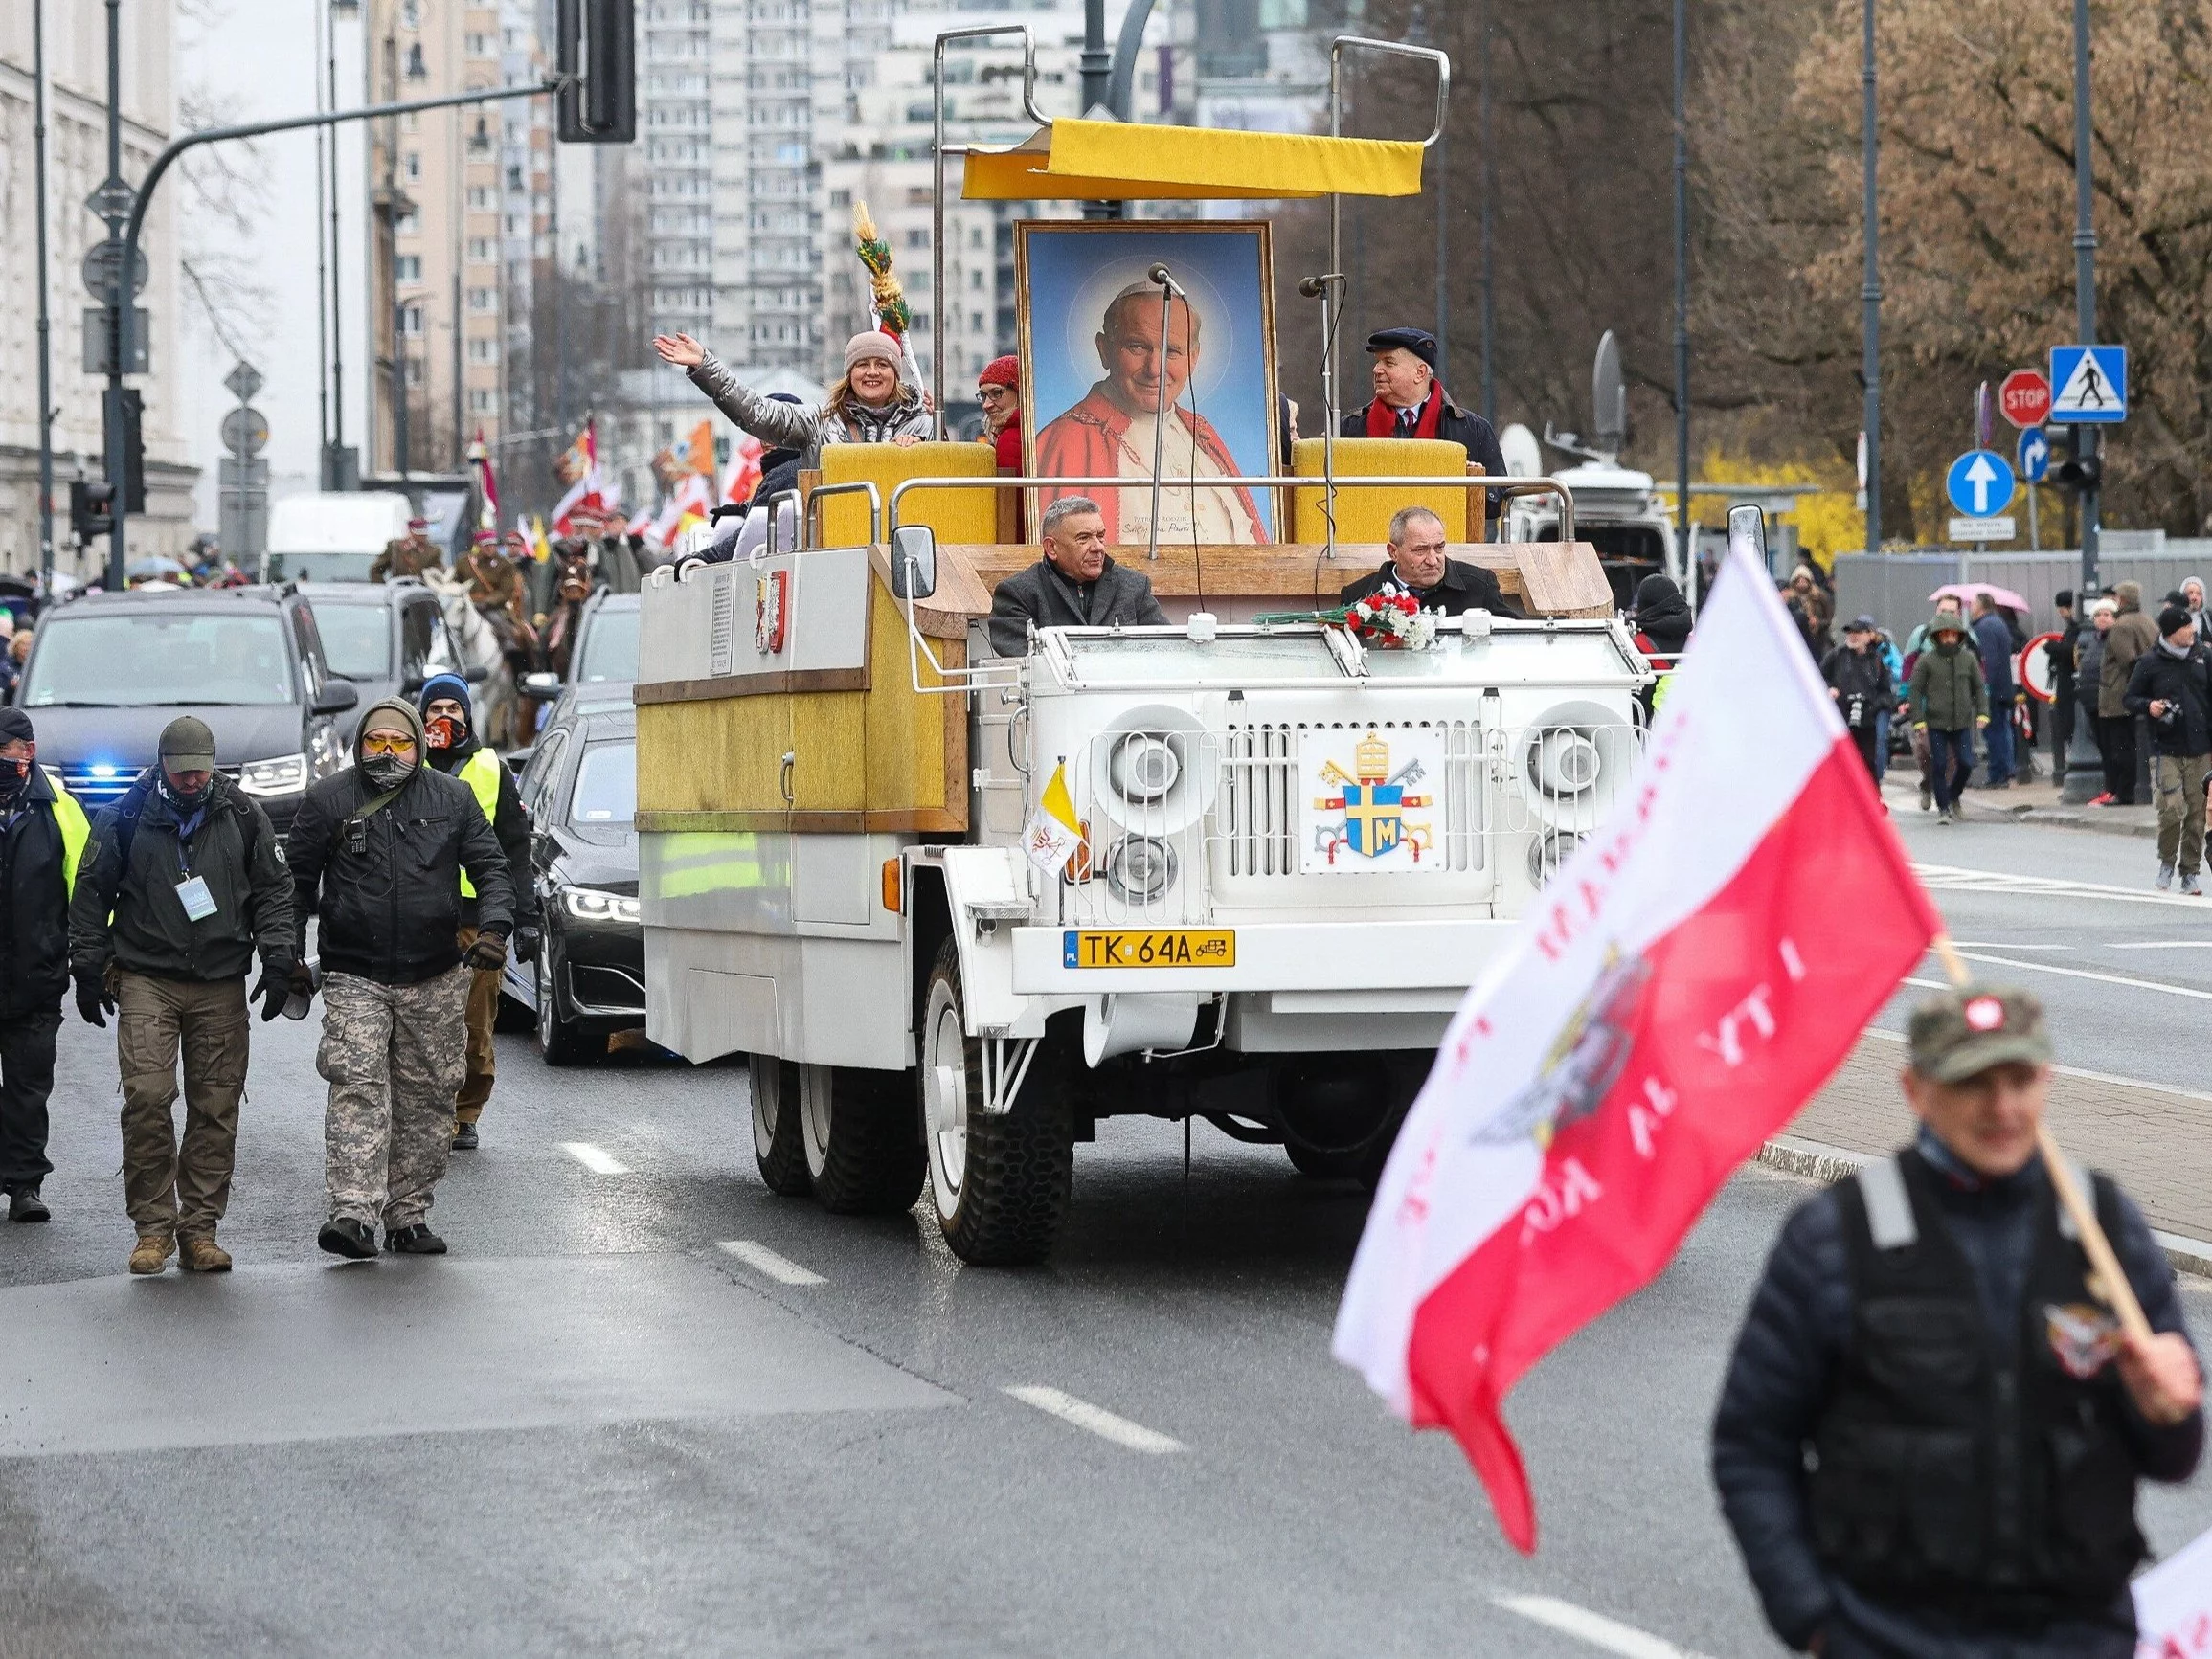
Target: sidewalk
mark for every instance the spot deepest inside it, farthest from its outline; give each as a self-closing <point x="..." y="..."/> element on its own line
<point x="2156" y="1142"/>
<point x="2035" y="802"/>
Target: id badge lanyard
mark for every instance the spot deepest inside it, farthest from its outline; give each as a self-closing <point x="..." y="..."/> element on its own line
<point x="193" y="890"/>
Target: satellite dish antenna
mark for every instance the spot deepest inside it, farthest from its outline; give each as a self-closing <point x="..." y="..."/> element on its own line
<point x="1608" y="400"/>
<point x="1523" y="457"/>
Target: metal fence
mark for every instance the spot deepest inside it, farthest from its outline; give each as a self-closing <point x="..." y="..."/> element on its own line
<point x="1893" y="588"/>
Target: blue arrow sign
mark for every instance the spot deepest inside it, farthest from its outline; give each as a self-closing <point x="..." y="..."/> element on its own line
<point x="2035" y="455"/>
<point x="2088" y="384"/>
<point x="1980" y="483"/>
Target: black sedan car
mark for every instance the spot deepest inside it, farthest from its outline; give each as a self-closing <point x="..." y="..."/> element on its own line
<point x="580" y="788"/>
<point x="387" y="637"/>
<point x="108" y="671"/>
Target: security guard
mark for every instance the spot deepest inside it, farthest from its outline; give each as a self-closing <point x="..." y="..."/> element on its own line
<point x="183" y="880"/>
<point x="42" y="835"/>
<point x="455" y="751"/>
<point x="1932" y="1429"/>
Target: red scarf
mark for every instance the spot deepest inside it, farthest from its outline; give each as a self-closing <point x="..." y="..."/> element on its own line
<point x="1383" y="420"/>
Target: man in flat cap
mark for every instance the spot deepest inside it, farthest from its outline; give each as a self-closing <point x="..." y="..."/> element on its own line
<point x="1410" y="402"/>
<point x="1932" y="1429"/>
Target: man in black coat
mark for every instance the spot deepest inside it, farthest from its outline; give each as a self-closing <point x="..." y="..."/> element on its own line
<point x="378" y="852"/>
<point x="1931" y="1431"/>
<point x="1859" y="680"/>
<point x="1418" y="564"/>
<point x="2171" y="687"/>
<point x="1075" y="585"/>
<point x="42" y="833"/>
<point x="2059" y="654"/>
<point x="1410" y="402"/>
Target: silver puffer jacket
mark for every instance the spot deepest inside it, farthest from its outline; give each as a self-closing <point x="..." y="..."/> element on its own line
<point x="794" y="426"/>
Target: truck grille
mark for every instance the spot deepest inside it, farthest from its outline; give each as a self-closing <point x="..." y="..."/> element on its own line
<point x="1257" y="822"/>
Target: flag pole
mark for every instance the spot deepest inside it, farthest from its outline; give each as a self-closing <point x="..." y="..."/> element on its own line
<point x="2112" y="1280"/>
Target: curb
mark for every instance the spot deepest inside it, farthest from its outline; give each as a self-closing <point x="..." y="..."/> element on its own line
<point x="1905" y="807"/>
<point x="1828" y="1164"/>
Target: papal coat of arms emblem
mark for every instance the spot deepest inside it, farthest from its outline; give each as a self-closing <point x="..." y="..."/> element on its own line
<point x="1359" y="817"/>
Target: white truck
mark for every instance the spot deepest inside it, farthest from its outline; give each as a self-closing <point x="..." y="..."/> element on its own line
<point x="331" y="536"/>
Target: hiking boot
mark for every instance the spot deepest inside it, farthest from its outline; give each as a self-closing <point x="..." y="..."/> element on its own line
<point x="2165" y="877"/>
<point x="199" y="1253"/>
<point x="415" y="1240"/>
<point x="1926" y="798"/>
<point x="2191" y="887"/>
<point x="464" y="1137"/>
<point x="24" y="1204"/>
<point x="347" y="1237"/>
<point x="152" y="1253"/>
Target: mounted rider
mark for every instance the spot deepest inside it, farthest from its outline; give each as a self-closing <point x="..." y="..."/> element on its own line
<point x="408" y="556"/>
<point x="495" y="590"/>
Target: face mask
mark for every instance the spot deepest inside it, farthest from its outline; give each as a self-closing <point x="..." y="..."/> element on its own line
<point x="386" y="772"/>
<point x="444" y="732"/>
<point x="183" y="802"/>
<point x="15" y="774"/>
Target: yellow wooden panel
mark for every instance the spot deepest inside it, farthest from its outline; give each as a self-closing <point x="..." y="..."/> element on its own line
<point x="917" y="741"/>
<point x="1363" y="515"/>
<point x="724" y="756"/>
<point x="828" y="735"/>
<point x="957" y="515"/>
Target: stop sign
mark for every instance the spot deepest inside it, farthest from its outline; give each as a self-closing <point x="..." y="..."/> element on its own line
<point x="2025" y="397"/>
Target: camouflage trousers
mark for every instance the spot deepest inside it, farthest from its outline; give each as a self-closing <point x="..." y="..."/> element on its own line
<point x="393" y="1055"/>
<point x="168" y="1186"/>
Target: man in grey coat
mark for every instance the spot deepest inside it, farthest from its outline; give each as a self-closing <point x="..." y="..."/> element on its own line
<point x="1075" y="585"/>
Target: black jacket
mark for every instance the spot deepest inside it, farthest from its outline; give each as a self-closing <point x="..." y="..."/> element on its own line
<point x="133" y="914"/>
<point x="1861" y="676"/>
<point x="1463" y="587"/>
<point x="34" y="906"/>
<point x="390" y="897"/>
<point x="511" y="823"/>
<point x="1788" y="1362"/>
<point x="1454" y="425"/>
<point x="1043" y="596"/>
<point x="2059" y="653"/>
<point x="2185" y="683"/>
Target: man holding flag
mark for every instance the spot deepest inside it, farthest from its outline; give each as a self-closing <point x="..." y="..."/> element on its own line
<point x="1979" y="1419"/>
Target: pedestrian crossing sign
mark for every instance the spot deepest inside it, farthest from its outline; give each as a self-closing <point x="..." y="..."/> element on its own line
<point x="2091" y="384"/>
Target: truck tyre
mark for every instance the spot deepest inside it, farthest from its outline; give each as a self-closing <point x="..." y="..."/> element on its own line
<point x="778" y="1142"/>
<point x="1318" y="1165"/>
<point x="862" y="1154"/>
<point x="1000" y="1184"/>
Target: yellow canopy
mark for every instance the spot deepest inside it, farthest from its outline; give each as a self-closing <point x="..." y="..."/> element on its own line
<point x="1095" y="161"/>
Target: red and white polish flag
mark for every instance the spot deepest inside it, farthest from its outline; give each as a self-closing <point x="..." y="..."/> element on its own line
<point x="1691" y="975"/>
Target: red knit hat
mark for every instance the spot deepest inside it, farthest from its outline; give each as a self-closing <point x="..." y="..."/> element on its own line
<point x="1000" y="371"/>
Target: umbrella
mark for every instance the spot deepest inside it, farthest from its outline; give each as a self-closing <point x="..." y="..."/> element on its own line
<point x="1964" y="592"/>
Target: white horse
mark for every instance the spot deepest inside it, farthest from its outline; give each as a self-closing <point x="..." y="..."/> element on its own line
<point x="479" y="646"/>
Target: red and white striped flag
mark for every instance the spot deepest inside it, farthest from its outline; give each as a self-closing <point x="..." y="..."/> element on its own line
<point x="1690" y="976"/>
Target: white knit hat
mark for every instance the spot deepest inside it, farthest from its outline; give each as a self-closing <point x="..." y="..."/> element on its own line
<point x="874" y="343"/>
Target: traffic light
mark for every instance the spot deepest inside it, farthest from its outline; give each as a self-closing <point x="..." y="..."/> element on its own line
<point x="91" y="509"/>
<point x="596" y="57"/>
<point x="134" y="450"/>
<point x="2073" y="470"/>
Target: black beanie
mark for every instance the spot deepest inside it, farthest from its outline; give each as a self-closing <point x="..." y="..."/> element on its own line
<point x="2173" y="619"/>
<point x="15" y="724"/>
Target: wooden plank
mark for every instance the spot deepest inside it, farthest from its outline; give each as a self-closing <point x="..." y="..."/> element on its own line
<point x="750" y="685"/>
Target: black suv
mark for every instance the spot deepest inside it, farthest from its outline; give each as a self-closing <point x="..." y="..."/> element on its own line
<point x="388" y="637"/>
<point x="108" y="671"/>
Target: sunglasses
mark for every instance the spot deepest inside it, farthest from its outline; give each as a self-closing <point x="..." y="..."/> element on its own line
<point x="387" y="743"/>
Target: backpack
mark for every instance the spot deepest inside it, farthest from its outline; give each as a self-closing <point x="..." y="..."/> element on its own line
<point x="133" y="802"/>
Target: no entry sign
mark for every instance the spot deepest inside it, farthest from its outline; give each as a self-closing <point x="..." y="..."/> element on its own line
<point x="2025" y="397"/>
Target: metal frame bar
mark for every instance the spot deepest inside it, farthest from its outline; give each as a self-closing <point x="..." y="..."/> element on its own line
<point x="822" y="491"/>
<point x="798" y="510"/>
<point x="999" y="1090"/>
<point x="1389" y="48"/>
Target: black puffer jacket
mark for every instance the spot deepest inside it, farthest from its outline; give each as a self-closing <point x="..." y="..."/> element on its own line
<point x="388" y="885"/>
<point x="2184" y="682"/>
<point x="134" y="914"/>
<point x="34" y="906"/>
<point x="1788" y="1357"/>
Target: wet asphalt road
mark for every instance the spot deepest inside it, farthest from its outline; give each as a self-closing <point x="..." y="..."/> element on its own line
<point x="593" y="1429"/>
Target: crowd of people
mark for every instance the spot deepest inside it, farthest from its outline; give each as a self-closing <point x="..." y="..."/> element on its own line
<point x="415" y="859"/>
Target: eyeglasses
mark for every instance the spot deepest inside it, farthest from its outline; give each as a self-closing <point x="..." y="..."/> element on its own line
<point x="387" y="743"/>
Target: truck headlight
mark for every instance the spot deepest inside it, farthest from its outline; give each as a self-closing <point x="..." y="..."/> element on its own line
<point x="1140" y="868"/>
<point x="1144" y="766"/>
<point x="285" y="775"/>
<point x="590" y="904"/>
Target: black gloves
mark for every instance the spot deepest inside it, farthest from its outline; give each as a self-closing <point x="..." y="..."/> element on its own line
<point x="92" y="996"/>
<point x="272" y="989"/>
<point x="526" y="940"/>
<point x="488" y="954"/>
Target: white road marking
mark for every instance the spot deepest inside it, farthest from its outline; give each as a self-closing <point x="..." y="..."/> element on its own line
<point x="1960" y="879"/>
<point x="762" y="1259"/>
<point x="1595" y="1628"/>
<point x="2156" y="945"/>
<point x="2003" y="945"/>
<point x="2085" y="974"/>
<point x="597" y="1159"/>
<point x="2081" y="1073"/>
<point x="1096" y="1419"/>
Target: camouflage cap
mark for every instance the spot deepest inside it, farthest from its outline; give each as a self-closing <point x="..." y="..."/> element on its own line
<point x="1963" y="1033"/>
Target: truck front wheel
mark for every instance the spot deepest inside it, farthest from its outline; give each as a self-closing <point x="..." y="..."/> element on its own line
<point x="1000" y="1181"/>
<point x="861" y="1150"/>
<point x="779" y="1143"/>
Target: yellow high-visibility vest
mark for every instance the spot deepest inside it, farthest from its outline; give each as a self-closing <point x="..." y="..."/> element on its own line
<point x="75" y="830"/>
<point x="480" y="773"/>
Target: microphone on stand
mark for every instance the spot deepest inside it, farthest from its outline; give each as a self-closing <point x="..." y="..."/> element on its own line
<point x="1165" y="279"/>
<point x="1313" y="287"/>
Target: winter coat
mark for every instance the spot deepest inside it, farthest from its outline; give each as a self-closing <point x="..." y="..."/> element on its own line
<point x="511" y="823"/>
<point x="2090" y="660"/>
<point x="795" y="426"/>
<point x="2059" y="654"/>
<point x="2184" y="683"/>
<point x="2132" y="634"/>
<point x="1662" y="615"/>
<point x="1860" y="677"/>
<point x="130" y="911"/>
<point x="1463" y="587"/>
<point x="1789" y="1357"/>
<point x="1041" y="594"/>
<point x="387" y="884"/>
<point x="1993" y="638"/>
<point x="1947" y="692"/>
<point x="33" y="904"/>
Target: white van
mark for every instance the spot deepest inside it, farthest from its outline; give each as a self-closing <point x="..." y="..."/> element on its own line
<point x="331" y="537"/>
